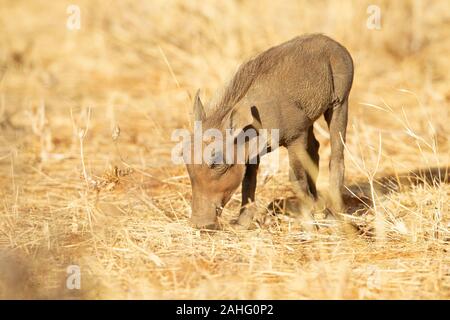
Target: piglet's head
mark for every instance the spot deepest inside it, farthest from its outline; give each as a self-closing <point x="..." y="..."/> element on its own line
<point x="218" y="171"/>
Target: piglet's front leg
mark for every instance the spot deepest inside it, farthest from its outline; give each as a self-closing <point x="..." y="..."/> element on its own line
<point x="248" y="207"/>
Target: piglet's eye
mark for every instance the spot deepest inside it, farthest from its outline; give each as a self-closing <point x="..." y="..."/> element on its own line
<point x="214" y="162"/>
<point x="215" y="159"/>
<point x="220" y="168"/>
<point x="218" y="165"/>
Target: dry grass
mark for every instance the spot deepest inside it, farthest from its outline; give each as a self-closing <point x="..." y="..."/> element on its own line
<point x="73" y="191"/>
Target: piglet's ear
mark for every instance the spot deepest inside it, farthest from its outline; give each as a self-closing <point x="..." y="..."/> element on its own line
<point x="199" y="110"/>
<point x="242" y="118"/>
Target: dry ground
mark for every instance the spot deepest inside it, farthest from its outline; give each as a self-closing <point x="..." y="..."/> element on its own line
<point x="135" y="65"/>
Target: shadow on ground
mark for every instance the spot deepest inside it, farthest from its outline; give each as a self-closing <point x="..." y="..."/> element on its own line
<point x="358" y="197"/>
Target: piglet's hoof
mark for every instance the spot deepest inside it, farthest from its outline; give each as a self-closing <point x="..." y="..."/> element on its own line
<point x="238" y="227"/>
<point x="244" y="222"/>
<point x="206" y="225"/>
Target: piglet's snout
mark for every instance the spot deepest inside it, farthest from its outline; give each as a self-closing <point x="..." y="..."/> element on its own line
<point x="204" y="213"/>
